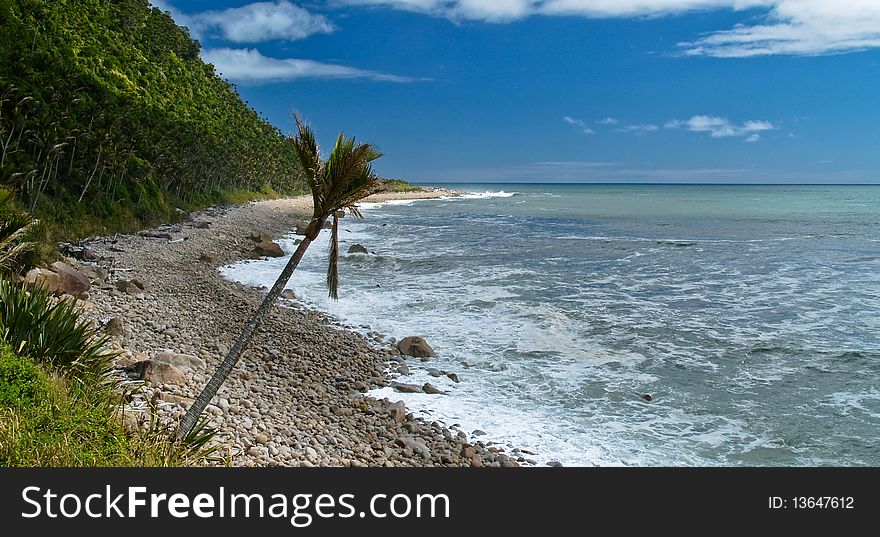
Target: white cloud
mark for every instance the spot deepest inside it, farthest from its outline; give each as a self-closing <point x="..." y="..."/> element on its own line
<point x="721" y="127"/>
<point x="607" y="121"/>
<point x="673" y="124"/>
<point x="261" y="21"/>
<point x="579" y="124"/>
<point x="639" y="129"/>
<point x="252" y="23"/>
<point x="507" y="10"/>
<point x="801" y="27"/>
<point x="249" y="66"/>
<point x="805" y="27"/>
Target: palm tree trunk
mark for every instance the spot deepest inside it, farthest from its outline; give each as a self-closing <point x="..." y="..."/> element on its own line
<point x="223" y="371"/>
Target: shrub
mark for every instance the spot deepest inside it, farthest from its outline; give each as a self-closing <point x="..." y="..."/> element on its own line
<point x="52" y="332"/>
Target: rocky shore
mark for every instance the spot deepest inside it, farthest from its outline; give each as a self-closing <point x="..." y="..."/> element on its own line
<point x="297" y="397"/>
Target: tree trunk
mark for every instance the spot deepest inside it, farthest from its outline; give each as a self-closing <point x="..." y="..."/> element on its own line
<point x="223" y="371"/>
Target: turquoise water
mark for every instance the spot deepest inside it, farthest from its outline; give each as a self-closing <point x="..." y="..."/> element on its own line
<point x="750" y="314"/>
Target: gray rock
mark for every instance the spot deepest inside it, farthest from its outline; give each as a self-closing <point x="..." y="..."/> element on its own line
<point x="70" y="280"/>
<point x="287" y="294"/>
<point x="115" y="327"/>
<point x="397" y="411"/>
<point x="268" y="249"/>
<point x="417" y="446"/>
<point x="406" y="388"/>
<point x="357" y="249"/>
<point x="159" y="373"/>
<point x="554" y="464"/>
<point x="44" y="279"/>
<point x="181" y="361"/>
<point x="431" y="389"/>
<point x="453" y="377"/>
<point x="415" y="346"/>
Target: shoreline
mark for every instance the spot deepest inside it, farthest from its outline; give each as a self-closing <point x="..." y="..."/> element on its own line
<point x="298" y="395"/>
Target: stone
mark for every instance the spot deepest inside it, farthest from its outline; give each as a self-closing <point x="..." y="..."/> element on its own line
<point x="468" y="452"/>
<point x="300" y="228"/>
<point x="554" y="464"/>
<point x="181" y="361"/>
<point x="357" y="249"/>
<point x="208" y="259"/>
<point x="159" y="373"/>
<point x="44" y="279"/>
<point x="141" y="284"/>
<point x="406" y="388"/>
<point x="128" y="287"/>
<point x="71" y="281"/>
<point x="415" y="346"/>
<point x="417" y="446"/>
<point x="262" y="438"/>
<point x="95" y="273"/>
<point x="397" y="411"/>
<point x="115" y="327"/>
<point x="403" y="369"/>
<point x="453" y="377"/>
<point x="288" y="294"/>
<point x="268" y="249"/>
<point x="431" y="389"/>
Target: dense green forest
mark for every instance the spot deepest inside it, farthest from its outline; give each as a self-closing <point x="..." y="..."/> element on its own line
<point x="109" y="120"/>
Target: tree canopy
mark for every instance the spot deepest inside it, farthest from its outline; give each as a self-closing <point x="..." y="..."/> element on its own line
<point x="106" y="109"/>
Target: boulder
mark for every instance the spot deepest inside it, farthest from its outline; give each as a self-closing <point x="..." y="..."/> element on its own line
<point x="142" y="284"/>
<point x="287" y="294"/>
<point x="71" y="281"/>
<point x="128" y="287"/>
<point x="415" y="346"/>
<point x="115" y="327"/>
<point x="44" y="279"/>
<point x="417" y="446"/>
<point x="406" y="388"/>
<point x="95" y="272"/>
<point x="268" y="249"/>
<point x="180" y="361"/>
<point x="208" y="259"/>
<point x="397" y="411"/>
<point x="357" y="249"/>
<point x="300" y="229"/>
<point x="159" y="373"/>
<point x="431" y="389"/>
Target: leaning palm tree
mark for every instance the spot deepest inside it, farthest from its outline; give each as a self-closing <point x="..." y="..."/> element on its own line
<point x="337" y="184"/>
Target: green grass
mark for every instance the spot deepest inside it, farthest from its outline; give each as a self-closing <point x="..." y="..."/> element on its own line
<point x="59" y="404"/>
<point x="399" y="185"/>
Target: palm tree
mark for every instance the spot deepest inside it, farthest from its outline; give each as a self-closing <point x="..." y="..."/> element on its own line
<point x="337" y="184"/>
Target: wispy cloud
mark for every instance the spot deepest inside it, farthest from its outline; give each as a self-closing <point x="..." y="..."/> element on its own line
<point x="805" y="27"/>
<point x="580" y="124"/>
<point x="252" y="23"/>
<point x="798" y="27"/>
<point x="607" y="121"/>
<point x="508" y="10"/>
<point x="639" y="129"/>
<point x="249" y="66"/>
<point x="721" y="127"/>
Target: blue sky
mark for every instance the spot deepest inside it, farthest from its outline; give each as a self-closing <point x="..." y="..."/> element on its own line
<point x="566" y="90"/>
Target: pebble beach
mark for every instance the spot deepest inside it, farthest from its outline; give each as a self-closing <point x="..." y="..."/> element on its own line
<point x="298" y="395"/>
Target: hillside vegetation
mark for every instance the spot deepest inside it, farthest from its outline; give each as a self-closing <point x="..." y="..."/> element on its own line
<point x="109" y="120"/>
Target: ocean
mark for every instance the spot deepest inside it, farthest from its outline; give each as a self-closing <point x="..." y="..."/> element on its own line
<point x="749" y="314"/>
